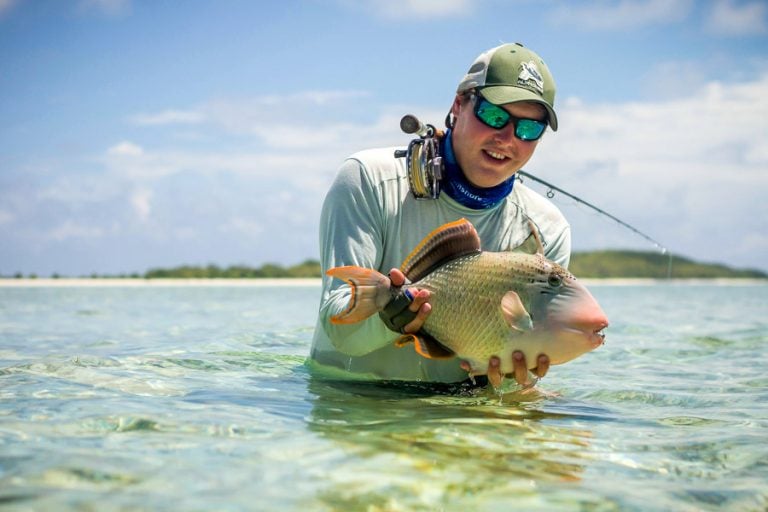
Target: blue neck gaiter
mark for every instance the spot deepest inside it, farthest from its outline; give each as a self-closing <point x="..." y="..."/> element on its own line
<point x="456" y="185"/>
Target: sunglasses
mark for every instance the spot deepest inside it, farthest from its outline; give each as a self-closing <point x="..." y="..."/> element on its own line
<point x="497" y="117"/>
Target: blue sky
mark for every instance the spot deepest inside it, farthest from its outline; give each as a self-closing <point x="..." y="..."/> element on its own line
<point x="143" y="134"/>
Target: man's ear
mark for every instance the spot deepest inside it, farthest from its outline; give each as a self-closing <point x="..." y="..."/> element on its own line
<point x="456" y="107"/>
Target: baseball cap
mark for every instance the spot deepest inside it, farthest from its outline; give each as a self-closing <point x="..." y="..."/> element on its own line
<point x="510" y="73"/>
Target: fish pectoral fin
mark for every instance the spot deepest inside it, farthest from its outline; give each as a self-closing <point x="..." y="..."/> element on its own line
<point x="514" y="312"/>
<point x="425" y="345"/>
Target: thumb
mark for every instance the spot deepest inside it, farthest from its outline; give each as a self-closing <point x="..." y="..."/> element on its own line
<point x="396" y="277"/>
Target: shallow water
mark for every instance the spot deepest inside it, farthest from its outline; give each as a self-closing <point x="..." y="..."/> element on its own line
<point x="199" y="398"/>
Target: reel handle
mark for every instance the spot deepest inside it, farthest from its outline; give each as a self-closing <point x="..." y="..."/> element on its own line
<point x="410" y="124"/>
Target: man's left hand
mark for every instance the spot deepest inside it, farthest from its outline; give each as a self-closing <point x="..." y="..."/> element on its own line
<point x="519" y="366"/>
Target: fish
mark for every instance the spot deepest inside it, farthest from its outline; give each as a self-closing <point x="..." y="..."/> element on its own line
<point x="484" y="303"/>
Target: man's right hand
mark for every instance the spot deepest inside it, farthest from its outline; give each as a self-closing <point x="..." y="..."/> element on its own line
<point x="419" y="305"/>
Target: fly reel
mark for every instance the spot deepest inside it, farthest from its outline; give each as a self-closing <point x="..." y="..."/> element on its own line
<point x="423" y="161"/>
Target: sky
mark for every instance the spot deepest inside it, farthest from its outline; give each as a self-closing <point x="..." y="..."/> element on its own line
<point x="150" y="134"/>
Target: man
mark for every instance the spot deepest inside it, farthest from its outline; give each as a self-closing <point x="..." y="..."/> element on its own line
<point x="371" y="219"/>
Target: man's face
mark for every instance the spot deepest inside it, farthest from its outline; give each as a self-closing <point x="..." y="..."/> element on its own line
<point x="486" y="155"/>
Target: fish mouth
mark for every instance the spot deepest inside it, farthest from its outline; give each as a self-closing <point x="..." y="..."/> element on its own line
<point x="598" y="332"/>
<point x="595" y="337"/>
<point x="598" y="336"/>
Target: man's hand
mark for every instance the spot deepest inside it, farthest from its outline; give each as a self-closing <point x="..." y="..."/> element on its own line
<point x="519" y="372"/>
<point x="417" y="311"/>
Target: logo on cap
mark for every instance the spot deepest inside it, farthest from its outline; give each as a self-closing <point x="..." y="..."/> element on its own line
<point x="529" y="77"/>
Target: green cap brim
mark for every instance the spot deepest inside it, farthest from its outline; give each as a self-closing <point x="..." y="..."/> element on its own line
<point x="503" y="94"/>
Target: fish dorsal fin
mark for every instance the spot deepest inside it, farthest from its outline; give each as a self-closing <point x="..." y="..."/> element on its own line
<point x="532" y="244"/>
<point x="446" y="243"/>
<point x="514" y="312"/>
<point x="536" y="236"/>
<point x="529" y="246"/>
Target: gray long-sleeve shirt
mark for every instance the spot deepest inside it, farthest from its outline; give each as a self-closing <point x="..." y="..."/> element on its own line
<point x="371" y="219"/>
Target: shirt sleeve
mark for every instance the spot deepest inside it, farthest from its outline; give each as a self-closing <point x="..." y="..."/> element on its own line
<point x="351" y="233"/>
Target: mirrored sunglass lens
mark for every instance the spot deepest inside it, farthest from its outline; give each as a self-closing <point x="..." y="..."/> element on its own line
<point x="529" y="129"/>
<point x="492" y="115"/>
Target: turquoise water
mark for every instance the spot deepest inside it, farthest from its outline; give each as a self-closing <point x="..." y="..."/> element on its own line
<point x="198" y="398"/>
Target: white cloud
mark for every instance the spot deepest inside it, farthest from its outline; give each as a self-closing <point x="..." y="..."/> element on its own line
<point x="296" y="169"/>
<point x="310" y="97"/>
<point x="674" y="79"/>
<point x="690" y="171"/>
<point x="615" y="15"/>
<point x="415" y="9"/>
<point x="719" y="125"/>
<point x="185" y="233"/>
<point x="303" y="113"/>
<point x="69" y="229"/>
<point x="169" y="117"/>
<point x="297" y="138"/>
<point x="684" y="170"/>
<point x="293" y="121"/>
<point x="141" y="201"/>
<point x="425" y="8"/>
<point x="731" y="19"/>
<point x="250" y="228"/>
<point x="126" y="149"/>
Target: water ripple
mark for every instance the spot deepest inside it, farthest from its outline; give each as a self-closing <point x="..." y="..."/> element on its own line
<point x="199" y="399"/>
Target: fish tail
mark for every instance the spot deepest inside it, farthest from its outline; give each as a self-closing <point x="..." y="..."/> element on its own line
<point x="370" y="293"/>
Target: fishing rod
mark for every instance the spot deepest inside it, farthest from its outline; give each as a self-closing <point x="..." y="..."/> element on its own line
<point x="424" y="166"/>
<point x="551" y="193"/>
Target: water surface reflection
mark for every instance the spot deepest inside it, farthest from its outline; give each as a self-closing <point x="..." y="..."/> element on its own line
<point x="411" y="446"/>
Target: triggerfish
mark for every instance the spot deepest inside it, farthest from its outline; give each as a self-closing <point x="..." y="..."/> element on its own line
<point x="484" y="303"/>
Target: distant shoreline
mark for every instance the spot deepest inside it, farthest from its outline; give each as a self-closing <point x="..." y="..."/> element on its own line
<point x="157" y="282"/>
<point x="297" y="282"/>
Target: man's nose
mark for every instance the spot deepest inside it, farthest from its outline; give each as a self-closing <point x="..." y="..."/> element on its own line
<point x="507" y="135"/>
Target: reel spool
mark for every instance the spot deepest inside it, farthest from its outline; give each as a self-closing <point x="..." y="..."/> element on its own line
<point x="423" y="162"/>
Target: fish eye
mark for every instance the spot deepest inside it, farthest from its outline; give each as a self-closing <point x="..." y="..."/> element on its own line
<point x="554" y="280"/>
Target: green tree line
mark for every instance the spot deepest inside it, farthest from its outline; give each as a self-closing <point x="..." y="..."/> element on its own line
<point x="308" y="268"/>
<point x="594" y="264"/>
<point x="640" y="264"/>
